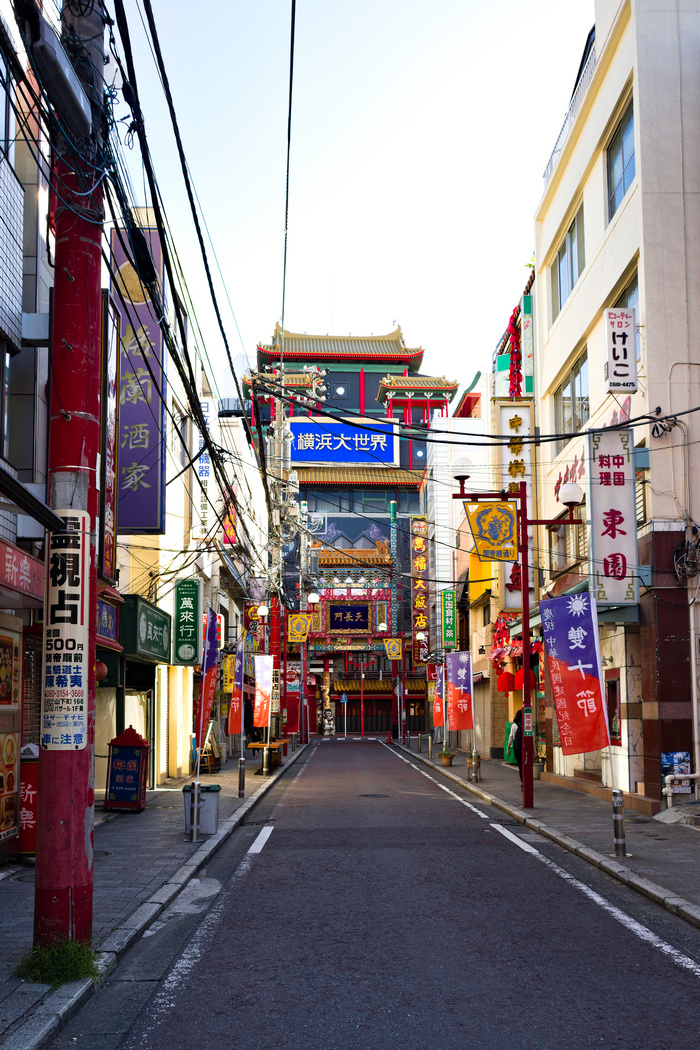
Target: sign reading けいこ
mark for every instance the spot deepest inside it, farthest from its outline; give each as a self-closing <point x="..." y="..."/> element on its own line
<point x="327" y="441"/>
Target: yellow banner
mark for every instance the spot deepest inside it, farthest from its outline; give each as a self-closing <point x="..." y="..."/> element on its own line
<point x="228" y="673"/>
<point x="298" y="626"/>
<point x="393" y="648"/>
<point x="494" y="528"/>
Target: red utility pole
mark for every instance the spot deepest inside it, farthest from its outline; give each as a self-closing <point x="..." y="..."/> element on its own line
<point x="64" y="858"/>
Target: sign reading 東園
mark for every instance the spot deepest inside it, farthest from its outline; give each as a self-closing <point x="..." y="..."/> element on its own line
<point x="64" y="695"/>
<point x="327" y="441"/>
<point x="613" y="546"/>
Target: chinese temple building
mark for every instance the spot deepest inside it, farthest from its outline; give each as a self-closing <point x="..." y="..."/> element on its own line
<point x="359" y="484"/>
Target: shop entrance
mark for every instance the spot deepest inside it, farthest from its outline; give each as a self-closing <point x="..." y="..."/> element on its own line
<point x="377" y="716"/>
<point x="415" y="716"/>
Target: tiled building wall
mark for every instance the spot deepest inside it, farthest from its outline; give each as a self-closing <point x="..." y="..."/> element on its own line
<point x="11" y="218"/>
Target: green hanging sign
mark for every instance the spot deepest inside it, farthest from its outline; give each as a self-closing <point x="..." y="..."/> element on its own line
<point x="449" y="620"/>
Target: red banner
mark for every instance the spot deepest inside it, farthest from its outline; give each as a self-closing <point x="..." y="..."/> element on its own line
<point x="235" y="710"/>
<point x="570" y="629"/>
<point x="263" y="691"/>
<point x="458" y="686"/>
<point x="208" y="684"/>
<point x="439" y="703"/>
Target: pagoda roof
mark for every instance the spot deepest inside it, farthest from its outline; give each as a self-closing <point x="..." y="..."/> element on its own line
<point x="362" y="349"/>
<point x="429" y="386"/>
<point x="364" y="476"/>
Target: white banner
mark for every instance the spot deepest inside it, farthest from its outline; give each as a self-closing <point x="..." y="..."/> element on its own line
<point x="64" y="694"/>
<point x="612" y="550"/>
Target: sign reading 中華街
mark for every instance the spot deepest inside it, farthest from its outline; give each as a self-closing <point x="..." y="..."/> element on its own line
<point x="494" y="528"/>
<point x="64" y="697"/>
<point x="187" y="637"/>
<point x="419" y="588"/>
<point x="621" y="350"/>
<point x="141" y="475"/>
<point x="327" y="441"/>
<point x="449" y="625"/>
<point x="570" y="632"/>
<point x="612" y="550"/>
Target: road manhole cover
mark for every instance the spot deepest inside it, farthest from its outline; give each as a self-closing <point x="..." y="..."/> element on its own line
<point x="374" y="796"/>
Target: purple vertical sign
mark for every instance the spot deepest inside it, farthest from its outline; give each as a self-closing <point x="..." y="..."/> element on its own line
<point x="141" y="476"/>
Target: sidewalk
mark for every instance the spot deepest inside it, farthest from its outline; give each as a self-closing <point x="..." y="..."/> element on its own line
<point x="142" y="860"/>
<point x="663" y="859"/>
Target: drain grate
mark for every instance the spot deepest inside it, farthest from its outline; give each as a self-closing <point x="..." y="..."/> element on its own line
<point x="374" y="796"/>
<point x="256" y="823"/>
<point x="509" y="823"/>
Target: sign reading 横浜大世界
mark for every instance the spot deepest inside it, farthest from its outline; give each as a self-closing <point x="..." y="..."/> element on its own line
<point x="64" y="698"/>
<point x="327" y="441"/>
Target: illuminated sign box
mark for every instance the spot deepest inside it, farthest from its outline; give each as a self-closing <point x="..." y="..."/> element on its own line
<point x="326" y="441"/>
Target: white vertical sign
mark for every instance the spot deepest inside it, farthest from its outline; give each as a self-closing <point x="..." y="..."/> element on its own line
<point x="621" y="350"/>
<point x="64" y="694"/>
<point x="613" y="545"/>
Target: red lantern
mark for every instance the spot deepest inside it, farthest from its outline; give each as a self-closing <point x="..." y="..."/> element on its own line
<point x="505" y="682"/>
<point x="101" y="670"/>
<point x="519" y="678"/>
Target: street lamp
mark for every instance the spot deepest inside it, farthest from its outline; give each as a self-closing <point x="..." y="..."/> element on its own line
<point x="571" y="495"/>
<point x="262" y="613"/>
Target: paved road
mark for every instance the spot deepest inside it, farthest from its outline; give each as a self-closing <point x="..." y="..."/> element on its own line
<point x="376" y="906"/>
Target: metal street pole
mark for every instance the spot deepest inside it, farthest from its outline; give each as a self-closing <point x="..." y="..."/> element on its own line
<point x="527" y="737"/>
<point x="64" y="858"/>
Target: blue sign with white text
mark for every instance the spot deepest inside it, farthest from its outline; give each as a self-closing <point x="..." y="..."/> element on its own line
<point x="325" y="441"/>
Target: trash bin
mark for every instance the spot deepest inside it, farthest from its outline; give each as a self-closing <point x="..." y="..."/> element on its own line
<point x="209" y="811"/>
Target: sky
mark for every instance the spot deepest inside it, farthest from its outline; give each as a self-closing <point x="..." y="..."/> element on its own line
<point x="420" y="132"/>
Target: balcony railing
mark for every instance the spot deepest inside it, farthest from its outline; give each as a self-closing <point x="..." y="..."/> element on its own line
<point x="574" y="106"/>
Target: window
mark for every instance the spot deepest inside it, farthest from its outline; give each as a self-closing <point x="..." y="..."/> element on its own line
<point x="630" y="299"/>
<point x="409" y="502"/>
<point x="568" y="264"/>
<point x="621" y="161"/>
<point x="571" y="402"/>
<point x="6" y="116"/>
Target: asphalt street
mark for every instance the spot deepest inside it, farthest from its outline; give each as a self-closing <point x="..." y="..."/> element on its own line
<point x="370" y="903"/>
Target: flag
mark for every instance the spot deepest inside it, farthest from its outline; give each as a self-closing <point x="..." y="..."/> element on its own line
<point x="298" y="627"/>
<point x="392" y="647"/>
<point x="207" y="686"/>
<point x="235" y="710"/>
<point x="263" y="690"/>
<point x="459" y="689"/>
<point x="570" y="630"/>
<point x="439" y="703"/>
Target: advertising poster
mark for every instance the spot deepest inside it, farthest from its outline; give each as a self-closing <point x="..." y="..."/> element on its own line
<point x="9" y="773"/>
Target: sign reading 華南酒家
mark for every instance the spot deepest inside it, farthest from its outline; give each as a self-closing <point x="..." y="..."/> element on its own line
<point x="141" y="475"/>
<point x="187" y="638"/>
<point x="349" y="617"/>
<point x="326" y="441"/>
<point x="64" y="697"/>
<point x="613" y="548"/>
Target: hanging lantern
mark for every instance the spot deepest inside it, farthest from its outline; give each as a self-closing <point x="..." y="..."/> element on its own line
<point x="519" y="678"/>
<point x="505" y="682"/>
<point x="101" y="670"/>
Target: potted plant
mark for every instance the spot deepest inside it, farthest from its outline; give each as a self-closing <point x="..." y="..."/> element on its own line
<point x="446" y="756"/>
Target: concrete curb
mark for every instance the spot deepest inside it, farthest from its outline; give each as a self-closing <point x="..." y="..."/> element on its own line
<point x="57" y="1009"/>
<point x="669" y="900"/>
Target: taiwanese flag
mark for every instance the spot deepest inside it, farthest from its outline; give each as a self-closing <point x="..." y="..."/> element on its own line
<point x="235" y="710"/>
<point x="439" y="703"/>
<point x="459" y="689"/>
<point x="207" y="686"/>
<point x="570" y="630"/>
<point x="263" y="690"/>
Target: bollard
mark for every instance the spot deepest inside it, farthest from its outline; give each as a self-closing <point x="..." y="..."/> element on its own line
<point x="430" y="747"/>
<point x="619" y="823"/>
<point x="195" y="806"/>
<point x="266" y="761"/>
<point x="420" y="742"/>
<point x="241" y="777"/>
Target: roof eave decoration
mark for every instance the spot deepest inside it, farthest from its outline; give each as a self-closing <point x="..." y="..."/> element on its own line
<point x="419" y="387"/>
<point x="294" y="346"/>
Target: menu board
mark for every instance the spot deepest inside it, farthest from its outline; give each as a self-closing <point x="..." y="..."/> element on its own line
<point x="9" y="672"/>
<point x="9" y="768"/>
<point x="126" y="778"/>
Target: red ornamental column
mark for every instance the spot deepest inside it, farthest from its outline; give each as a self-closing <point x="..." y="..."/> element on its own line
<point x="64" y="859"/>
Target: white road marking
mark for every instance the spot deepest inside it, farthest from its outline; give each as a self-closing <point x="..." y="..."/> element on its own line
<point x="634" y="927"/>
<point x="424" y="772"/>
<point x="261" y="839"/>
<point x="518" y="841"/>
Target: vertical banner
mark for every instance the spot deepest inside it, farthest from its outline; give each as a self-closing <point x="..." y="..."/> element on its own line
<point x="235" y="711"/>
<point x="64" y="696"/>
<point x="142" y="388"/>
<point x="208" y="684"/>
<point x="419" y="588"/>
<point x="204" y="519"/>
<point x="527" y="342"/>
<point x="516" y="423"/>
<point x="109" y="444"/>
<point x="263" y="691"/>
<point x="570" y="630"/>
<point x="439" y="703"/>
<point x="449" y="623"/>
<point x="187" y="640"/>
<point x="613" y="547"/>
<point x="459" y="690"/>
